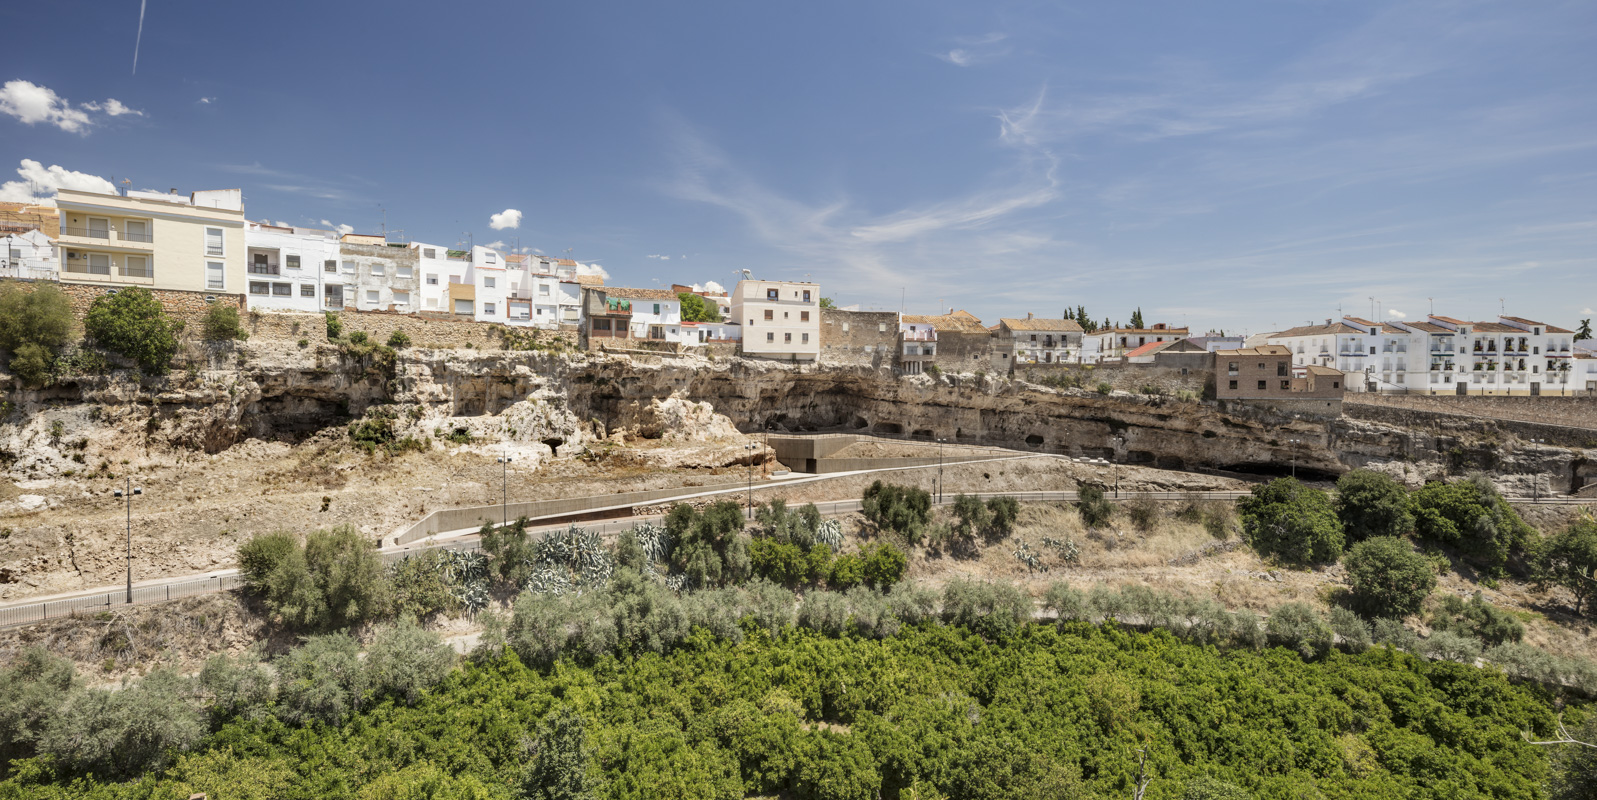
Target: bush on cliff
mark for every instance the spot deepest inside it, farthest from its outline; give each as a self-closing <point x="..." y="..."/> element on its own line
<point x="132" y="324"/>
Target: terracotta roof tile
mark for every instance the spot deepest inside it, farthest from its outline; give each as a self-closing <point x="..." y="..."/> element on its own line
<point x="641" y="294"/>
<point x="1317" y="330"/>
<point x="1063" y="325"/>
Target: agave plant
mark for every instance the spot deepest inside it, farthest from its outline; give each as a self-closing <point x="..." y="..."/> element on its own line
<point x="830" y="533"/>
<point x="655" y="541"/>
<point x="473" y="595"/>
<point x="677" y="583"/>
<point x="464" y="566"/>
<point x="549" y="579"/>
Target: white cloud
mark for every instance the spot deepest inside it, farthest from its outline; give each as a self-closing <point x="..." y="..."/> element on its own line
<point x="536" y="250"/>
<point x="593" y="269"/>
<point x="206" y="100"/>
<point x="1587" y="311"/>
<point x="509" y="218"/>
<point x="709" y="287"/>
<point x="282" y="224"/>
<point x="1395" y="314"/>
<point x="342" y="229"/>
<point x="975" y="50"/>
<point x="495" y="245"/>
<point x="662" y="258"/>
<point x="39" y="183"/>
<point x="32" y="104"/>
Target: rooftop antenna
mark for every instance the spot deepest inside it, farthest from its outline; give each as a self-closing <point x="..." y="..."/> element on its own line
<point x="1432" y="301"/>
<point x="1502" y="307"/>
<point x="1372" y="305"/>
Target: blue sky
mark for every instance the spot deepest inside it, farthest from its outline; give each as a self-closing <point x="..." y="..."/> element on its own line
<point x="1245" y="165"/>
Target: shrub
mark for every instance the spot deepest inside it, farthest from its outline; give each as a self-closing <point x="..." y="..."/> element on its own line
<point x="709" y="548"/>
<point x="132" y="324"/>
<point x="558" y="769"/>
<point x="825" y="612"/>
<point x="1388" y="578"/>
<point x="1104" y="387"/>
<point x="1450" y="646"/>
<point x="1207" y="788"/>
<point x="32" y="364"/>
<point x="32" y="688"/>
<point x="1298" y="626"/>
<point x="398" y="340"/>
<point x="221" y="323"/>
<point x="42" y="317"/>
<point x="1473" y="517"/>
<point x="780" y="562"/>
<point x="884" y="565"/>
<point x="1569" y="559"/>
<point x="1292" y="522"/>
<point x="991" y="610"/>
<point x="419" y="584"/>
<point x="1372" y="504"/>
<point x="1573" y="773"/>
<point x="236" y="688"/>
<point x="1094" y="509"/>
<point x="1004" y="512"/>
<point x="404" y="660"/>
<point x="511" y="552"/>
<point x="848" y="571"/>
<point x="1393" y="633"/>
<point x="335" y="327"/>
<point x="1351" y="629"/>
<point x="359" y="338"/>
<point x="1143" y="513"/>
<point x="322" y="680"/>
<point x="336" y="579"/>
<point x="1067" y="602"/>
<point x="1478" y="619"/>
<point x="901" y="509"/>
<point x="128" y="731"/>
<point x="971" y="513"/>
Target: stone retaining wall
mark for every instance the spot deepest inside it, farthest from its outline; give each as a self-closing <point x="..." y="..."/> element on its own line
<point x="1575" y="412"/>
<point x="189" y="307"/>
<point x="379" y="325"/>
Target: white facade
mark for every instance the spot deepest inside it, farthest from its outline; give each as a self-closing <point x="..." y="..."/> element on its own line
<point x="1116" y="342"/>
<point x="715" y="332"/>
<point x="780" y="319"/>
<point x="436" y="268"/>
<point x="285" y="267"/>
<point x="29" y="255"/>
<point x="656" y="315"/>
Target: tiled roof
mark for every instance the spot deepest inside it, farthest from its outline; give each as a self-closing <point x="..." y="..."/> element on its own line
<point x="1493" y="327"/>
<point x="1063" y="325"/>
<point x="1429" y="327"/>
<point x="1262" y="350"/>
<point x="1358" y="321"/>
<point x="1556" y="329"/>
<point x="1114" y="331"/>
<point x="641" y="294"/>
<point x="1316" y="369"/>
<point x="590" y="280"/>
<point x="1316" y="330"/>
<point x="1450" y="319"/>
<point x="1149" y="349"/>
<point x="958" y="321"/>
<point x="1522" y="320"/>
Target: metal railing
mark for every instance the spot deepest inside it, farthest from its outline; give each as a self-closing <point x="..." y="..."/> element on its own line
<point x="86" y="233"/>
<point x="89" y="604"/>
<point x="146" y="238"/>
<point x="264" y="269"/>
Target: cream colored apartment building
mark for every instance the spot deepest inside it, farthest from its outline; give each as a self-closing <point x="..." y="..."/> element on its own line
<point x="780" y="319"/>
<point x="160" y="241"/>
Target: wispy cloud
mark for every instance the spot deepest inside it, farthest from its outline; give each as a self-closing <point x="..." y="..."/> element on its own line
<point x="342" y="229"/>
<point x="206" y="100"/>
<point x="497" y="244"/>
<point x="32" y="104"/>
<point x="973" y="51"/>
<point x="138" y="38"/>
<point x="658" y="256"/>
<point x="1395" y="314"/>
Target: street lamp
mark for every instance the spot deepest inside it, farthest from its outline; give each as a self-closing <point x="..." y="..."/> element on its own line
<point x="128" y="493"/>
<point x="1115" y="443"/>
<point x="749" y="448"/>
<point x="1292" y="445"/>
<point x="940" y="443"/>
<point x="1535" y="477"/>
<point x="504" y="489"/>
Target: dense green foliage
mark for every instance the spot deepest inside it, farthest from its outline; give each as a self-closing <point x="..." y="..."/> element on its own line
<point x="1372" y="504"/>
<point x="934" y="711"/>
<point x="221" y="323"/>
<point x="334" y="580"/>
<point x="1292" y="522"/>
<point x="1569" y="559"/>
<point x="709" y="548"/>
<point x="1388" y="578"/>
<point x="1471" y="516"/>
<point x="1478" y="619"/>
<point x="697" y="309"/>
<point x="33" y="325"/>
<point x="132" y="324"/>
<point x="1574" y="769"/>
<point x="994" y="519"/>
<point x="335" y="327"/>
<point x="905" y="510"/>
<point x="1094" y="509"/>
<point x="399" y="340"/>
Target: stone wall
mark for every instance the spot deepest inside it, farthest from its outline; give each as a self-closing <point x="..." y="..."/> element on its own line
<point x="1310" y="408"/>
<point x="1134" y="378"/>
<point x="189" y="307"/>
<point x="859" y="338"/>
<point x="1576" y="412"/>
<point x="959" y="352"/>
<point x="379" y="325"/>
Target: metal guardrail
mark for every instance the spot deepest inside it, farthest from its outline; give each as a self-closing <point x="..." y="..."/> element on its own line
<point x="87" y="604"/>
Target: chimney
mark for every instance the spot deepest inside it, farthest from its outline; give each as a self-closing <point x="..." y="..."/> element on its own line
<point x="1328" y="321"/>
<point x="1028" y="315"/>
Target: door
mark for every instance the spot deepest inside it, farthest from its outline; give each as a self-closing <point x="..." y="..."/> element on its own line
<point x="135" y="267"/>
<point x="1535" y="389"/>
<point x="136" y="230"/>
<point x="99" y="228"/>
<point x="259" y="265"/>
<point x="1463" y="388"/>
<point x="99" y="264"/>
<point x="334" y="292"/>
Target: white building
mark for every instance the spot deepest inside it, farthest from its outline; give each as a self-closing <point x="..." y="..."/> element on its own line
<point x="285" y="268"/>
<point x="30" y="255"/>
<point x="1114" y="343"/>
<point x="1441" y="355"/>
<point x="656" y="315"/>
<point x="780" y="319"/>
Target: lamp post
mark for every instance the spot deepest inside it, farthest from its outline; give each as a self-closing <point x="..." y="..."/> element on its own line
<point x="1292" y="445"/>
<point x="504" y="489"/>
<point x="749" y="448"/>
<point x="127" y="493"/>
<point x="1116" y="442"/>
<point x="1535" y="477"/>
<point x="940" y="443"/>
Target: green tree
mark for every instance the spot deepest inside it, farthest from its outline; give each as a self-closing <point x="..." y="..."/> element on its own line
<point x="1473" y="517"/>
<point x="697" y="309"/>
<point x="709" y="547"/>
<point x="1372" y="504"/>
<point x="1569" y="559"/>
<point x="132" y="324"/>
<point x="398" y="340"/>
<point x="236" y="687"/>
<point x="558" y="768"/>
<point x="405" y="660"/>
<point x="1207" y="788"/>
<point x="884" y="565"/>
<point x="1004" y="512"/>
<point x="32" y="688"/>
<point x="1478" y="619"/>
<point x="826" y="302"/>
<point x="1574" y="766"/>
<point x="905" y="510"/>
<point x="971" y="514"/>
<point x="42" y="316"/>
<point x="1584" y="332"/>
<point x="336" y="579"/>
<point x="32" y="362"/>
<point x="322" y="681"/>
<point x="1094" y="509"/>
<point x="128" y="731"/>
<point x="335" y="327"/>
<point x="221" y="323"/>
<point x="1292" y="522"/>
<point x="1388" y="578"/>
<point x="1136" y="318"/>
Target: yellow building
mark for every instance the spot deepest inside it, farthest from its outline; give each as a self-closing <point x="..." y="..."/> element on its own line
<point x="160" y="241"/>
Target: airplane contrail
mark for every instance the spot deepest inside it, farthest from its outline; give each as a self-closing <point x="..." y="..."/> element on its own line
<point x="138" y="38"/>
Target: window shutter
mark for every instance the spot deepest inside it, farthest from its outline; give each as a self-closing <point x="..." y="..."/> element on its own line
<point x="213" y="241"/>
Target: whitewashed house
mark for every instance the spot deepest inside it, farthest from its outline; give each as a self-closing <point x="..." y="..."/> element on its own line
<point x="285" y="268"/>
<point x="30" y="255"/>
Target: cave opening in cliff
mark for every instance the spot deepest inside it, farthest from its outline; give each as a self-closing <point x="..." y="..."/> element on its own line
<point x="889" y="427"/>
<point x="554" y="443"/>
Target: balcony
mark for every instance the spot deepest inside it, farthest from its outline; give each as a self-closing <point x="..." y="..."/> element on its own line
<point x="919" y="336"/>
<point x="259" y="268"/>
<point x="107" y="239"/>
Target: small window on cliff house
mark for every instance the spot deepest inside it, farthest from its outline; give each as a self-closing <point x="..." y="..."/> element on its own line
<point x="1261" y="385"/>
<point x="845" y="327"/>
<point x="1233" y="385"/>
<point x="1336" y="384"/>
<point x="769" y="314"/>
<point x="1285" y="385"/>
<point x="307" y="290"/>
<point x="804" y="316"/>
<point x="881" y="327"/>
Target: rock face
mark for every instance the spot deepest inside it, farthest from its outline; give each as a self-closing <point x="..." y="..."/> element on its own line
<point x="541" y="403"/>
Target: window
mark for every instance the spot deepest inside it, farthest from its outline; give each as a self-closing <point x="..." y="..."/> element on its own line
<point x="1372" y="349"/>
<point x="656" y="309"/>
<point x="1261" y="385"/>
<point x="1280" y="369"/>
<point x="402" y="272"/>
<point x="806" y="295"/>
<point x="349" y="266"/>
<point x="215" y="275"/>
<point x="372" y="296"/>
<point x="402" y="298"/>
<point x="428" y="252"/>
<point x="377" y="270"/>
<point x="769" y="314"/>
<point x="601" y="324"/>
<point x="785" y="315"/>
<point x="282" y="290"/>
<point x="1336" y="384"/>
<point x="260" y="287"/>
<point x="293" y="261"/>
<point x="770" y="294"/>
<point x="806" y="338"/>
<point x="1034" y="337"/>
<point x="136" y="267"/>
<point x="488" y="309"/>
<point x="1231" y="368"/>
<point x="1233" y="384"/>
<point x="490" y="258"/>
<point x="330" y="265"/>
<point x="770" y="338"/>
<point x="432" y="280"/>
<point x="307" y="290"/>
<point x="543" y="289"/>
<point x="881" y="327"/>
<point x="487" y="282"/>
<point x="787" y="338"/>
<point x="1285" y="385"/>
<point x="845" y="327"/>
